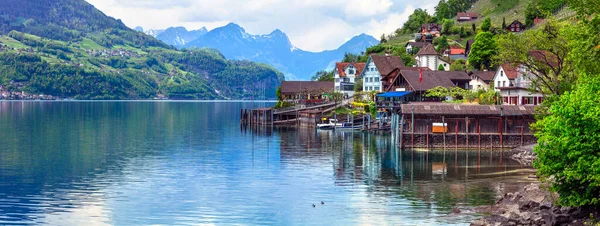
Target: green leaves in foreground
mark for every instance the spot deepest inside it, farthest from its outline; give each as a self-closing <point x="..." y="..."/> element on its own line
<point x="568" y="153"/>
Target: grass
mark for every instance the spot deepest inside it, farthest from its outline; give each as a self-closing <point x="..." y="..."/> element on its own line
<point x="498" y="9"/>
<point x="89" y="44"/>
<point x="12" y="43"/>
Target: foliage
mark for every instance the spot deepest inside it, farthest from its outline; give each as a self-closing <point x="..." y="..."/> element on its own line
<point x="441" y="67"/>
<point x="458" y="65"/>
<point x="448" y="9"/>
<point x="353" y="58"/>
<point x="503" y="22"/>
<point x="544" y="52"/>
<point x="337" y="97"/>
<point x="582" y="7"/>
<point x="568" y="139"/>
<point x="442" y="43"/>
<point x="439" y="92"/>
<point x="323" y="76"/>
<point x="447" y="26"/>
<point x="415" y="20"/>
<point x="373" y="109"/>
<point x="482" y="51"/>
<point x="383" y="39"/>
<point x="486" y="25"/>
<point x="531" y="12"/>
<point x="550" y="6"/>
<point x="358" y="85"/>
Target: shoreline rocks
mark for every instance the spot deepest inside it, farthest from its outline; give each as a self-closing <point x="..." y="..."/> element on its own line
<point x="524" y="155"/>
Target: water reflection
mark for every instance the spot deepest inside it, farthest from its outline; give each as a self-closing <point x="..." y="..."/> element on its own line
<point x="139" y="163"/>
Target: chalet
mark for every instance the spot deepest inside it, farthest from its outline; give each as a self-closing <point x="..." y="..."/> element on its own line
<point x="306" y="91"/>
<point x="376" y="67"/>
<point x="414" y="47"/>
<point x="468" y="47"/>
<point x="345" y="75"/>
<point x="480" y="80"/>
<point x="514" y="86"/>
<point x="432" y="29"/>
<point x="455" y="53"/>
<point x="388" y="81"/>
<point x="409" y="81"/>
<point x="515" y="26"/>
<point x="465" y="17"/>
<point x="429" y="57"/>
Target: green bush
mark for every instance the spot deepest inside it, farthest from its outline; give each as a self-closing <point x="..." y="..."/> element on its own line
<point x="568" y="153"/>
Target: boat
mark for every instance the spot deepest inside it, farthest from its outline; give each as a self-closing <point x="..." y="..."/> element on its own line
<point x="333" y="123"/>
<point x="347" y="126"/>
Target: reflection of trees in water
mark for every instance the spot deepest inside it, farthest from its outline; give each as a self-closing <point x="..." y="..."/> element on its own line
<point x="443" y="178"/>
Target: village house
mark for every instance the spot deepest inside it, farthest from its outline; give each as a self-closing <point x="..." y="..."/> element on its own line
<point x="414" y="47"/>
<point x="515" y="27"/>
<point x="376" y="67"/>
<point x="514" y="86"/>
<point x="465" y="17"/>
<point x="305" y="92"/>
<point x="389" y="81"/>
<point x="429" y="57"/>
<point x="345" y="75"/>
<point x="432" y="29"/>
<point x="409" y="81"/>
<point x="480" y="80"/>
<point x="455" y="53"/>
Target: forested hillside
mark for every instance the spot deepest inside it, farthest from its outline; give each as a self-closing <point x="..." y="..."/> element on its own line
<point x="69" y="49"/>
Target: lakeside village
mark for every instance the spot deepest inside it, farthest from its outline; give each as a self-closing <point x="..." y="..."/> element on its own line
<point x="425" y="104"/>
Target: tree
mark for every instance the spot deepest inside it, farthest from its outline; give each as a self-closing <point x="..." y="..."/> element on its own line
<point x="442" y="43"/>
<point x="351" y="58"/>
<point x="474" y="28"/>
<point x="462" y="32"/>
<point x="447" y="26"/>
<point x="278" y="94"/>
<point x="383" y="39"/>
<point x="458" y="65"/>
<point x="531" y="12"/>
<point x="544" y="52"/>
<point x="337" y="97"/>
<point x="415" y="20"/>
<point x="358" y="86"/>
<point x="323" y="76"/>
<point x="443" y="11"/>
<point x="486" y="25"/>
<point x="503" y="22"/>
<point x="482" y="51"/>
<point x="441" y="67"/>
<point x="439" y="92"/>
<point x="567" y="149"/>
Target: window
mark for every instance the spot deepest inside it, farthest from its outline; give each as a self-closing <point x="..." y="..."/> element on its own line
<point x="503" y="83"/>
<point x="337" y="80"/>
<point x="376" y="88"/>
<point x="351" y="71"/>
<point x="499" y="84"/>
<point x="337" y="88"/>
<point x="501" y="73"/>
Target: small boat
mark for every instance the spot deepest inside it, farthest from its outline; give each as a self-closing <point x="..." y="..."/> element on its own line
<point x="331" y="125"/>
<point x="347" y="126"/>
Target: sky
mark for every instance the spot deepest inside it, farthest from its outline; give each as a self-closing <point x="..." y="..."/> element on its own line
<point x="313" y="25"/>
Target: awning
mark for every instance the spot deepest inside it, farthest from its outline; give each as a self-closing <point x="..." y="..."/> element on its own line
<point x="394" y="94"/>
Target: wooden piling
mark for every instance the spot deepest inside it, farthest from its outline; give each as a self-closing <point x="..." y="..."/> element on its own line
<point x="427" y="136"/>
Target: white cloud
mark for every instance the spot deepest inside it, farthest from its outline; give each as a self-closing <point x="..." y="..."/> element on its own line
<point x="311" y="24"/>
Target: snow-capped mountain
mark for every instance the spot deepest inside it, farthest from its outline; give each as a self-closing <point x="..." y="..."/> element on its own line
<point x="274" y="49"/>
<point x="152" y="32"/>
<point x="180" y="36"/>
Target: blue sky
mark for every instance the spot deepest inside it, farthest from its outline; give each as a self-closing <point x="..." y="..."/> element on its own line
<point x="311" y="24"/>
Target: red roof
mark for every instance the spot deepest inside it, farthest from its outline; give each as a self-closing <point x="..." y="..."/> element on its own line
<point x="456" y="51"/>
<point x="511" y="72"/>
<point x="341" y="66"/>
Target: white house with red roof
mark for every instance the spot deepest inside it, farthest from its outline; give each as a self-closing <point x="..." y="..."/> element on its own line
<point x="514" y="85"/>
<point x="428" y="57"/>
<point x="345" y="75"/>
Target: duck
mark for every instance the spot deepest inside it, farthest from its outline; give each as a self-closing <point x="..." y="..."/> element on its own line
<point x="322" y="203"/>
<point x="314" y="205"/>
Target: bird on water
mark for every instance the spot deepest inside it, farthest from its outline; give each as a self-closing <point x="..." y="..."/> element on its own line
<point x="314" y="205"/>
<point x="322" y="203"/>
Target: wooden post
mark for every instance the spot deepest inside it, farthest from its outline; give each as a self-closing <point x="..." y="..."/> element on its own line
<point x="522" y="136"/>
<point x="444" y="132"/>
<point x="427" y="136"/>
<point x="479" y="135"/>
<point x="412" y="127"/>
<point x="402" y="132"/>
<point x="467" y="130"/>
<point x="456" y="140"/>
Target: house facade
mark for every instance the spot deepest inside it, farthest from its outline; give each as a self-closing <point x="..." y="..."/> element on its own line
<point x="514" y="86"/>
<point x="480" y="80"/>
<point x="428" y="57"/>
<point x="306" y="92"/>
<point x="432" y="29"/>
<point x="515" y="27"/>
<point x="376" y="68"/>
<point x="345" y="75"/>
<point x="409" y="81"/>
<point x="455" y="53"/>
<point x="465" y="17"/>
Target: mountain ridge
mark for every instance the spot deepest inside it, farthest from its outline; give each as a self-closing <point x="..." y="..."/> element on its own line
<point x="274" y="49"/>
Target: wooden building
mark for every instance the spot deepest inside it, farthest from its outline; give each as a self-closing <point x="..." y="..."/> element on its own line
<point x="306" y="91"/>
<point x="409" y="80"/>
<point x="515" y="26"/>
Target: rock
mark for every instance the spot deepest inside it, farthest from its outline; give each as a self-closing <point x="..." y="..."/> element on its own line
<point x="478" y="223"/>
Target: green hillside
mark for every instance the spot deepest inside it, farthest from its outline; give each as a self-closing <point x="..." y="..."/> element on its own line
<point x="69" y="49"/>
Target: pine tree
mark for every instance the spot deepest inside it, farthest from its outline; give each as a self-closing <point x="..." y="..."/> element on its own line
<point x="503" y="22"/>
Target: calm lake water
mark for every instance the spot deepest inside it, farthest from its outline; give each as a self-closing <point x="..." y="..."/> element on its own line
<point x="190" y="163"/>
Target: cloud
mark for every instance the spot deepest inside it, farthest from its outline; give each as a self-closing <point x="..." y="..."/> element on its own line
<point x="311" y="24"/>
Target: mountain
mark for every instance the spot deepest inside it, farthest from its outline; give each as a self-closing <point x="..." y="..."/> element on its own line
<point x="179" y="36"/>
<point x="274" y="49"/>
<point x="69" y="49"/>
<point x="154" y="33"/>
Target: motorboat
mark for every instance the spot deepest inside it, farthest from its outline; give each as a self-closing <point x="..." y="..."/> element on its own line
<point x="333" y="123"/>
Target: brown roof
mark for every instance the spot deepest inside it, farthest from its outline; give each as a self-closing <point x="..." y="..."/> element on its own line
<point x="486" y="76"/>
<point x="427" y="50"/>
<point x="429" y="26"/>
<point x="467" y="109"/>
<point x="432" y="79"/>
<point x="510" y="71"/>
<point x="471" y="15"/>
<point x="340" y="66"/>
<point x="544" y="57"/>
<point x="394" y="74"/>
<point x="306" y="86"/>
<point x="386" y="64"/>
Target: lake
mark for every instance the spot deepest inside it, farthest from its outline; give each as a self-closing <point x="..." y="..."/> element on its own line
<point x="191" y="163"/>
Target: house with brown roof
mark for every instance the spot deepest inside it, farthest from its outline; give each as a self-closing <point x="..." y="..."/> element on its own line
<point x="376" y="67"/>
<point x="465" y="17"/>
<point x="390" y="81"/>
<point x="345" y="75"/>
<point x="409" y="81"/>
<point x="429" y="57"/>
<point x="480" y="80"/>
<point x="514" y="85"/>
<point x="515" y="27"/>
<point x="306" y="91"/>
<point x="432" y="29"/>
